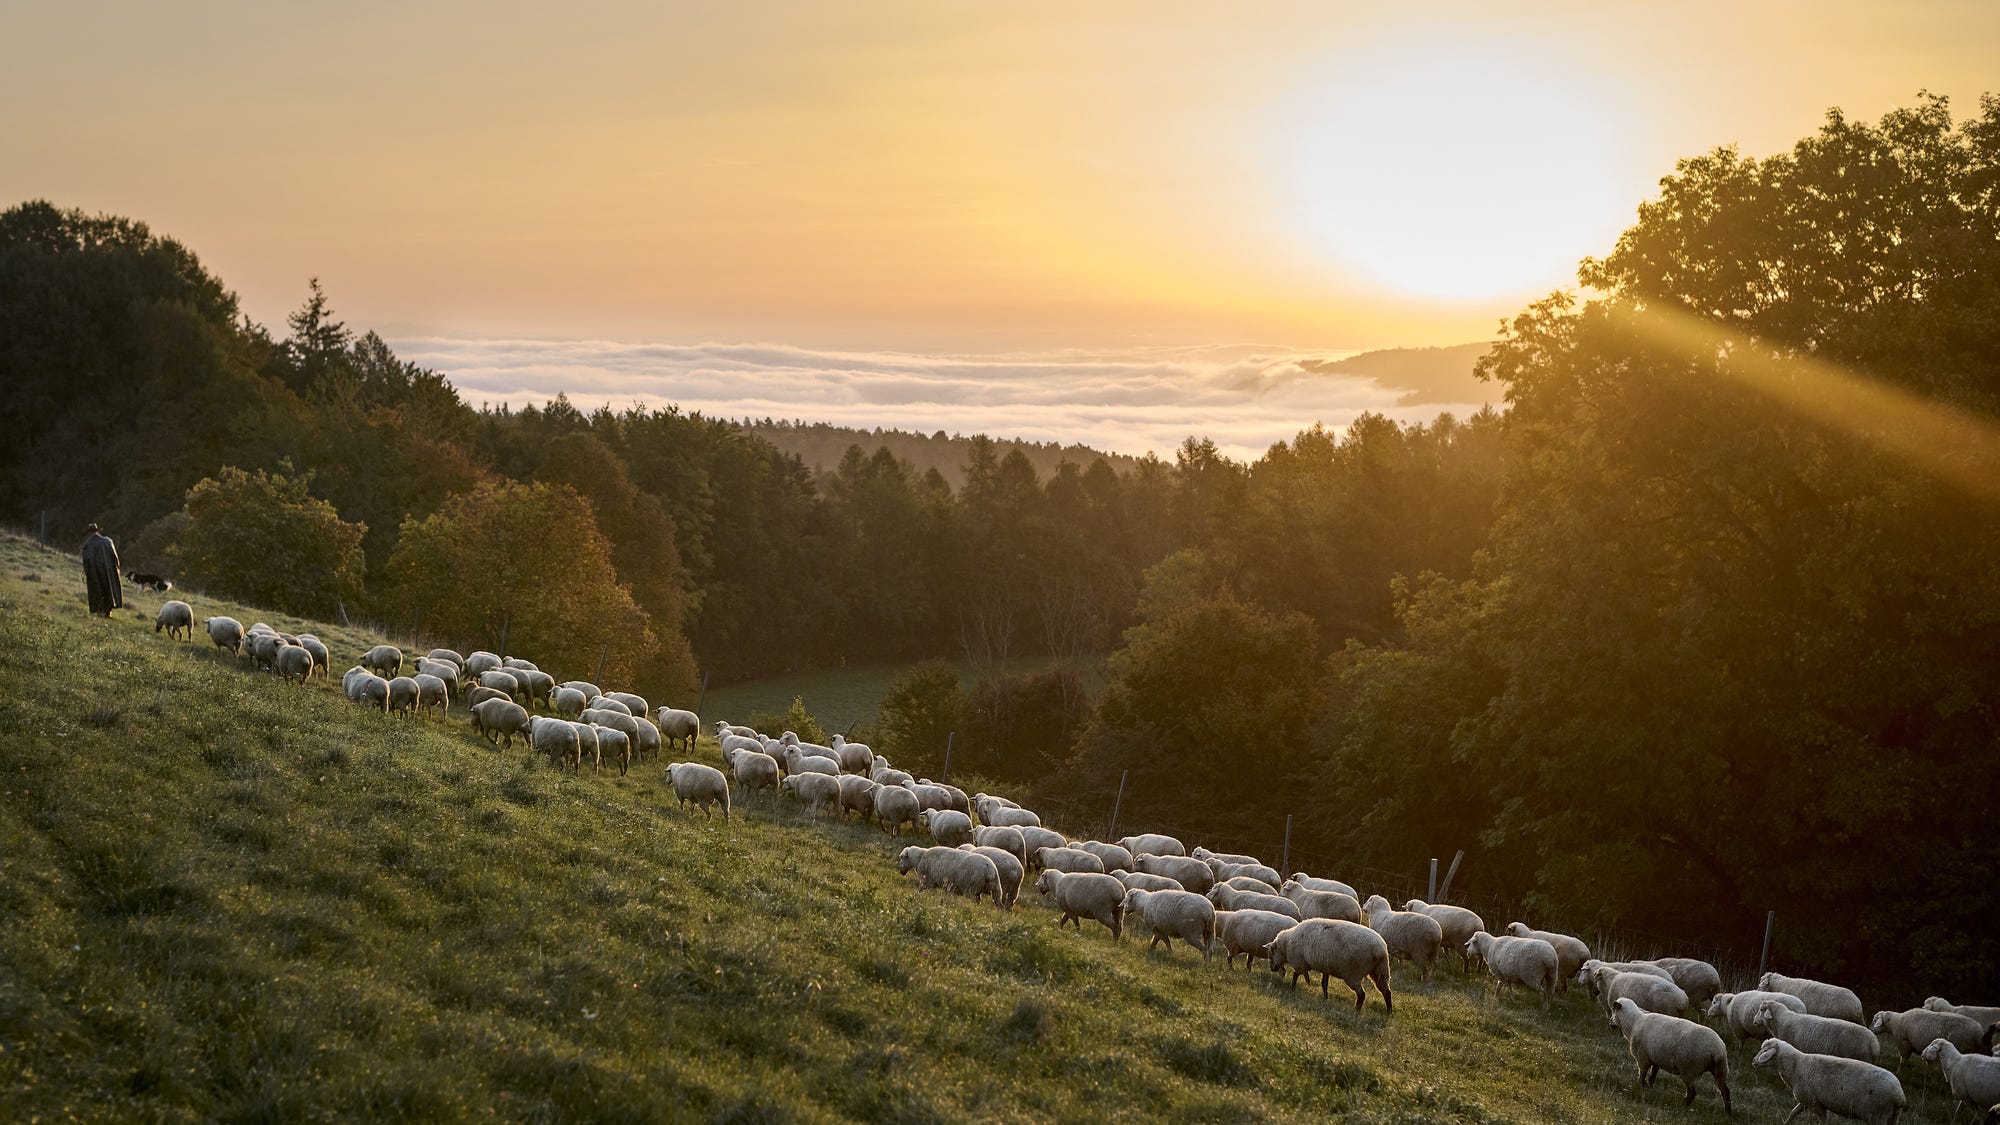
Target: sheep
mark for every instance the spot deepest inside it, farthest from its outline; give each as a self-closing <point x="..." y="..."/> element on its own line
<point x="1204" y="855"/>
<point x="679" y="727"/>
<point x="616" y="745"/>
<point x="1246" y="883"/>
<point x="1911" y="1031"/>
<point x="1739" y="1010"/>
<point x="1973" y="1078"/>
<point x="294" y="662"/>
<point x="1332" y="948"/>
<point x="517" y="662"/>
<point x="857" y="794"/>
<point x="1323" y="904"/>
<point x="1458" y="924"/>
<point x="895" y="806"/>
<point x="704" y="785"/>
<point x="1986" y="1016"/>
<point x="1511" y="960"/>
<point x="493" y="717"/>
<point x="616" y="720"/>
<point x="1699" y="979"/>
<point x="226" y="632"/>
<point x="1821" y="999"/>
<point x="1651" y="993"/>
<point x="1571" y="952"/>
<point x="854" y="757"/>
<point x="955" y="798"/>
<point x="322" y="658"/>
<point x="445" y="654"/>
<point x="1848" y="1087"/>
<point x="930" y="796"/>
<point x="372" y="691"/>
<point x="1587" y="973"/>
<point x="978" y="798"/>
<point x="567" y="702"/>
<point x="536" y="685"/>
<point x="723" y="727"/>
<point x="1069" y="861"/>
<point x="176" y="617"/>
<point x="432" y="692"/>
<point x="556" y="738"/>
<point x="1312" y="884"/>
<point x="633" y="703"/>
<point x="1034" y="838"/>
<point x="353" y="676"/>
<point x="1192" y="874"/>
<point x="755" y="769"/>
<point x="1112" y="856"/>
<point x="1152" y="843"/>
<point x="1012" y="818"/>
<point x="1816" y="1035"/>
<point x="1226" y="897"/>
<point x="1224" y="871"/>
<point x="647" y="740"/>
<point x="479" y="694"/>
<point x="441" y="669"/>
<point x="1249" y="932"/>
<point x="264" y="648"/>
<point x="1174" y="914"/>
<point x="1683" y="1048"/>
<point x="797" y="762"/>
<point x="729" y="742"/>
<point x="604" y="703"/>
<point x="963" y="873"/>
<point x="815" y="791"/>
<point x="588" y="689"/>
<point x="1008" y="840"/>
<point x="881" y="772"/>
<point x="1086" y="894"/>
<point x="1416" y="937"/>
<point x="499" y="680"/>
<point x="1009" y="866"/>
<point x="480" y="661"/>
<point x="1140" y="881"/>
<point x="383" y="658"/>
<point x="947" y="826"/>
<point x="404" y="693"/>
<point x="588" y="747"/>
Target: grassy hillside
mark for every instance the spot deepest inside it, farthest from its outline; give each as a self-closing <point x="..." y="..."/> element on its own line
<point x="229" y="898"/>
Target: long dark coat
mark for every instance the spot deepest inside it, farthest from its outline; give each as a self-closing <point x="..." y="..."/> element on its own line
<point x="100" y="573"/>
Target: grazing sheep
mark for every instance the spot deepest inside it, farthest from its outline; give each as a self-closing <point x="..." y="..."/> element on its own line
<point x="226" y="632"/>
<point x="947" y="826"/>
<point x="647" y="740"/>
<point x="517" y="662"/>
<point x="881" y="772"/>
<point x="956" y="800"/>
<point x="1351" y="952"/>
<point x="1010" y="868"/>
<point x="635" y="704"/>
<point x="1112" y="856"/>
<point x="432" y="692"/>
<point x="704" y="785"/>
<point x="757" y="770"/>
<point x="616" y="745"/>
<point x="730" y="742"/>
<point x="1192" y="874"/>
<point x="404" y="694"/>
<point x="616" y="720"/>
<point x="896" y="806"/>
<point x="567" y="702"/>
<point x="1174" y="914"/>
<point x="1525" y="961"/>
<point x="1912" y="1030"/>
<point x="854" y="757"/>
<point x="1986" y="1016"/>
<point x="1069" y="860"/>
<point x="1651" y="993"/>
<point x="536" y="686"/>
<point x="857" y="794"/>
<point x="322" y="658"/>
<point x="557" y="739"/>
<point x="1323" y="904"/>
<point x="177" y="618"/>
<point x="1571" y="952"/>
<point x="1246" y="883"/>
<point x="1140" y="881"/>
<point x="1225" y="871"/>
<point x="1012" y="818"/>
<point x="1458" y="924"/>
<point x="1312" y="884"/>
<point x="1034" y="838"/>
<point x="1587" y="974"/>
<point x="1249" y="932"/>
<point x="1226" y="897"/>
<point x="499" y="679"/>
<point x="815" y="791"/>
<point x="442" y="669"/>
<point x="1152" y="843"/>
<point x="1699" y="979"/>
<point x="1816" y="1035"/>
<point x="1086" y="894"/>
<point x="1821" y="999"/>
<point x="480" y="661"/>
<point x="679" y="727"/>
<point x="588" y="747"/>
<point x="1683" y="1048"/>
<point x="446" y="654"/>
<point x="1973" y="1078"/>
<point x="588" y="689"/>
<point x="494" y="717"/>
<point x="372" y="691"/>
<point x="603" y="703"/>
<point x="797" y="761"/>
<point x="264" y="648"/>
<point x="480" y="694"/>
<point x="1822" y="1083"/>
<point x="1410" y="935"/>
<point x="353" y="676"/>
<point x="930" y="796"/>
<point x="723" y="727"/>
<point x="294" y="662"/>
<point x="1008" y="840"/>
<point x="384" y="659"/>
<point x="1739" y="1010"/>
<point x="1204" y="855"/>
<point x="962" y="873"/>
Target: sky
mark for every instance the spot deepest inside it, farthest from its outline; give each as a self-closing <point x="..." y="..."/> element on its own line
<point x="926" y="181"/>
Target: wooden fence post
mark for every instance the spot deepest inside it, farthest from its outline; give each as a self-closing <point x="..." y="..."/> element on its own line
<point x="1286" y="862"/>
<point x="1764" y="958"/>
<point x="1444" y="892"/>
<point x="1115" y="803"/>
<point x="948" y="740"/>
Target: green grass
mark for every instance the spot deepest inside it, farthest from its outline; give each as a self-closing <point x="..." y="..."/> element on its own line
<point x="228" y="898"/>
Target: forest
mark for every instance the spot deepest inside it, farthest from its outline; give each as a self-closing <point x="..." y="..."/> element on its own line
<point x="1703" y="623"/>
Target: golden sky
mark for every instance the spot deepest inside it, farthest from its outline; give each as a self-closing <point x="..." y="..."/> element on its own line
<point x="927" y="175"/>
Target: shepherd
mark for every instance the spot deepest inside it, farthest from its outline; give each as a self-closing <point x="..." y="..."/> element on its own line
<point x="100" y="572"/>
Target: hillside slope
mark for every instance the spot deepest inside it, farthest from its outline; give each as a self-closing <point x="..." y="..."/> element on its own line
<point x="229" y="898"/>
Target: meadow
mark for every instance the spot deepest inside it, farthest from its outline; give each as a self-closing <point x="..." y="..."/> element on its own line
<point x="237" y="899"/>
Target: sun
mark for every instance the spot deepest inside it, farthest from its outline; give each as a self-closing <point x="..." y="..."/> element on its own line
<point x="1459" y="170"/>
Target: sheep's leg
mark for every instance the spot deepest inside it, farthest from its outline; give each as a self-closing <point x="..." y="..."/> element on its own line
<point x="1360" y="995"/>
<point x="1722" y="1084"/>
<point x="1323" y="979"/>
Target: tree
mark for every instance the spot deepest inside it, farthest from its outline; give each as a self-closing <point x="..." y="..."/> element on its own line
<point x="263" y="538"/>
<point x="919" y="714"/>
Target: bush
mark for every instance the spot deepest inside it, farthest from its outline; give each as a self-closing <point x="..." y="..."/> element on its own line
<point x="794" y="719"/>
<point x="265" y="539"/>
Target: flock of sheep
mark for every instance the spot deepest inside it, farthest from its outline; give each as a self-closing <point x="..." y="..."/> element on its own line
<point x="1813" y="1034"/>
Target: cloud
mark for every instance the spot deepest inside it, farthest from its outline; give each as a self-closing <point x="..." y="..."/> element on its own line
<point x="1243" y="397"/>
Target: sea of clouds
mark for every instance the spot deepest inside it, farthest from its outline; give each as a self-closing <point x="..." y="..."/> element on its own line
<point x="1243" y="397"/>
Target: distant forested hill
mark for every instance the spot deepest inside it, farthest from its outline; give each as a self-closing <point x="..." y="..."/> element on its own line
<point x="821" y="445"/>
<point x="1429" y="375"/>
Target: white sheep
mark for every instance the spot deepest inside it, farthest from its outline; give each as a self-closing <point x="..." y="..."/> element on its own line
<point x="446" y="654"/>
<point x="322" y="658"/>
<point x="704" y="785"/>
<point x="895" y="806"/>
<point x="1912" y="1030"/>
<point x="1699" y="979"/>
<point x="723" y="726"/>
<point x="1225" y="871"/>
<point x="1822" y="1083"/>
<point x="964" y="873"/>
<point x="1226" y="897"/>
<point x="1817" y="1035"/>
<point x="1174" y="914"/>
<point x="1683" y="1048"/>
<point x="567" y="702"/>
<point x="432" y="692"/>
<point x="1246" y="883"/>
<point x="590" y="691"/>
<point x="535" y="685"/>
<point x="1530" y="962"/>
<point x="1587" y="974"/>
<point x="556" y="738"/>
<point x="931" y="796"/>
<point x="813" y="789"/>
<point x="1652" y="993"/>
<point x="263" y="648"/>
<point x="404" y="692"/>
<point x="616" y="720"/>
<point x="797" y="761"/>
<point x="372" y="691"/>
<point x="294" y="662"/>
<point x="1312" y="884"/>
<point x="947" y="826"/>
<point x="588" y="748"/>
<point x="1739" y="1010"/>
<point x="1086" y="894"/>
<point x="1069" y="861"/>
<point x="1011" y="818"/>
<point x="1140" y="881"/>
<point x="595" y="703"/>
<point x="384" y="659"/>
<point x="729" y="742"/>
<point x="617" y="745"/>
<point x="1973" y="1078"/>
<point x="1205" y="855"/>
<point x="854" y="757"/>
<point x="517" y="662"/>
<point x="1152" y="843"/>
<point x="979" y="798"/>
<point x="1821" y="999"/>
<point x="1571" y="952"/>
<point x="1987" y="1017"/>
<point x="1249" y="932"/>
<point x="1009" y="866"/>
<point x="881" y="772"/>
<point x="647" y="740"/>
<point x="1458" y="924"/>
<point x="679" y="726"/>
<point x="1334" y="949"/>
<point x="493" y="717"/>
<point x="477" y="695"/>
<point x="1323" y="904"/>
<point x="1112" y="856"/>
<point x="1415" y="937"/>
<point x="481" y="661"/>
<point x="226" y="632"/>
<point x="1034" y="838"/>
<point x="1192" y="874"/>
<point x="756" y="770"/>
<point x="499" y="679"/>
<point x="177" y="618"/>
<point x="633" y="703"/>
<point x="857" y="794"/>
<point x="442" y="669"/>
<point x="1007" y="839"/>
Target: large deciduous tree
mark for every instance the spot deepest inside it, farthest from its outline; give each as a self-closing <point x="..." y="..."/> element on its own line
<point x="264" y="538"/>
